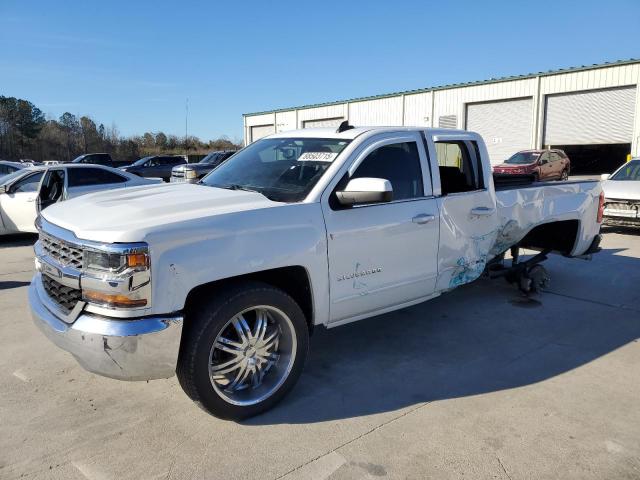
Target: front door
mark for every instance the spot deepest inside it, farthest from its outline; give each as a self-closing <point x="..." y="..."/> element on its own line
<point x="18" y="204"/>
<point x="469" y="221"/>
<point x="383" y="256"/>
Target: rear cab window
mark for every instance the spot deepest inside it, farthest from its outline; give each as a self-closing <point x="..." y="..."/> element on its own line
<point x="460" y="166"/>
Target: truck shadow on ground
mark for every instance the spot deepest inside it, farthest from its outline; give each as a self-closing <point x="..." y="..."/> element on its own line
<point x="473" y="340"/>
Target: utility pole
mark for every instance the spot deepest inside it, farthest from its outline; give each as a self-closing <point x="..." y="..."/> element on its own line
<point x="186" y="128"/>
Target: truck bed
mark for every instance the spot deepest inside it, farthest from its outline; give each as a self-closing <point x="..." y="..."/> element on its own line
<point x="548" y="215"/>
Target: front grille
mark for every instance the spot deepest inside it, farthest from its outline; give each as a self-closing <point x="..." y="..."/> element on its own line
<point x="65" y="297"/>
<point x="177" y="174"/>
<point x="67" y="254"/>
<point x="621" y="206"/>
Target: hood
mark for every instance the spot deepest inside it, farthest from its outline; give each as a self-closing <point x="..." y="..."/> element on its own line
<point x="510" y="166"/>
<point x="621" y="189"/>
<point x="127" y="215"/>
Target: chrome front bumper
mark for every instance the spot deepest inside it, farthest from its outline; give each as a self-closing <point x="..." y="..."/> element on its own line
<point x="127" y="349"/>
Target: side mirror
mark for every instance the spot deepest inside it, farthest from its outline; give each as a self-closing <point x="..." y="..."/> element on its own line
<point x="604" y="176"/>
<point x="365" y="190"/>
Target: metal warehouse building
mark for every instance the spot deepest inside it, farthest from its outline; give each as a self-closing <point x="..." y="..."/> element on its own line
<point x="592" y="112"/>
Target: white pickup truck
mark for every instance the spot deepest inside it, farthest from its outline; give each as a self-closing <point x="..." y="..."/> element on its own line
<point x="222" y="282"/>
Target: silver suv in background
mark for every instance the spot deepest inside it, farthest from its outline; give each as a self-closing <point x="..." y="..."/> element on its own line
<point x="193" y="172"/>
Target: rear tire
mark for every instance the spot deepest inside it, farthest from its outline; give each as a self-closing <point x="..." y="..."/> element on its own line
<point x="243" y="351"/>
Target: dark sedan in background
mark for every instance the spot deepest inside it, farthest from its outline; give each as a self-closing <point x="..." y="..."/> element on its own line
<point x="537" y="164"/>
<point x="193" y="172"/>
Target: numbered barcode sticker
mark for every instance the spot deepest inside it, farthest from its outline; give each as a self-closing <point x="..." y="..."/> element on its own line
<point x="317" y="157"/>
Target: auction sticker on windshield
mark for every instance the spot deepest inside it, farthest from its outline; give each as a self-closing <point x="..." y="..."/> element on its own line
<point x="317" y="157"/>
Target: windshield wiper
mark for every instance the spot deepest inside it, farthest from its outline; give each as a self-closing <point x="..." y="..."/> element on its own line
<point x="235" y="186"/>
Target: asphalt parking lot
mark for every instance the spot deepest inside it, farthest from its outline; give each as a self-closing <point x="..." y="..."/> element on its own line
<point x="479" y="383"/>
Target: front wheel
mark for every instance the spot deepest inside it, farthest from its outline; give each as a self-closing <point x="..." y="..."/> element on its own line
<point x="244" y="350"/>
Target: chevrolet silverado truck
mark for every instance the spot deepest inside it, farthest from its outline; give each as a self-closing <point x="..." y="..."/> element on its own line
<point x="223" y="281"/>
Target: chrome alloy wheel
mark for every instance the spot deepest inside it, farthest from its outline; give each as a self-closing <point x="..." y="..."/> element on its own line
<point x="252" y="355"/>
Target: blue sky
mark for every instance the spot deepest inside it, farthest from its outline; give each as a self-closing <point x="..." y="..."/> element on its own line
<point x="134" y="63"/>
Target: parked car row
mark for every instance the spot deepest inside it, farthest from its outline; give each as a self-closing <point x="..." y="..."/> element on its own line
<point x="26" y="192"/>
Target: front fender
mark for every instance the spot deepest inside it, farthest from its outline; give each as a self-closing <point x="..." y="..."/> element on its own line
<point x="187" y="255"/>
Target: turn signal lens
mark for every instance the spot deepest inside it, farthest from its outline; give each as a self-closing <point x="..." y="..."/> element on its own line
<point x="135" y="260"/>
<point x="113" y="300"/>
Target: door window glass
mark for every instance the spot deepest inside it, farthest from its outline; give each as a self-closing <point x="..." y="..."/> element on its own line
<point x="400" y="164"/>
<point x="460" y="167"/>
<point x="29" y="184"/>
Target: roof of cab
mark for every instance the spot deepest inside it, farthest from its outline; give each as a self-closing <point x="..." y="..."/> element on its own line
<point x="357" y="131"/>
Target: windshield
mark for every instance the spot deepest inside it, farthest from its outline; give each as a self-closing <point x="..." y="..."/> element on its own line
<point x="141" y="161"/>
<point x="631" y="171"/>
<point x="523" y="158"/>
<point x="7" y="179"/>
<point x="211" y="158"/>
<point x="282" y="169"/>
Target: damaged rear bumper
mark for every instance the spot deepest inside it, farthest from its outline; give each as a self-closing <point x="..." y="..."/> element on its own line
<point x="132" y="349"/>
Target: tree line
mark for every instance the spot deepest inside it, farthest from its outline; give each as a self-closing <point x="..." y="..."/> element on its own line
<point x="25" y="133"/>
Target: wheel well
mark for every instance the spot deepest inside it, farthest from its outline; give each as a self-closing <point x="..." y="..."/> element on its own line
<point x="559" y="236"/>
<point x="293" y="280"/>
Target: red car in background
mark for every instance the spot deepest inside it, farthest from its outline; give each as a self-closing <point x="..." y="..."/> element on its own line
<point x="539" y="164"/>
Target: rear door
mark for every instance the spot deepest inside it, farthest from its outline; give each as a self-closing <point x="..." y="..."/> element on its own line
<point x="557" y="164"/>
<point x="467" y="205"/>
<point x="86" y="180"/>
<point x="383" y="256"/>
<point x="546" y="167"/>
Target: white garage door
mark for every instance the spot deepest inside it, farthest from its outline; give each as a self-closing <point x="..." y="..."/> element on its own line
<point x="599" y="116"/>
<point x="323" y="122"/>
<point x="505" y="126"/>
<point x="260" y="131"/>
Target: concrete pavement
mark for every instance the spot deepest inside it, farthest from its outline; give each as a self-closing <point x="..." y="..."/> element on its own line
<point x="479" y="383"/>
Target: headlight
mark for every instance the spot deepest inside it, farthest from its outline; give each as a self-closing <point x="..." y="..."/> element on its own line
<point x="190" y="174"/>
<point x="113" y="262"/>
<point x="117" y="279"/>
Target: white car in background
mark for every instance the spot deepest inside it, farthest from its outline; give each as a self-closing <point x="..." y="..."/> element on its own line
<point x="622" y="195"/>
<point x="10" y="167"/>
<point x="24" y="193"/>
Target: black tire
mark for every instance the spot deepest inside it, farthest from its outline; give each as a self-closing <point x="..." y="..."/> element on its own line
<point x="536" y="178"/>
<point x="207" y="319"/>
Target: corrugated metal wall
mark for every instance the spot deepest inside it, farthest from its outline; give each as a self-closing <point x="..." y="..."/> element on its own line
<point x="591" y="117"/>
<point x="425" y="108"/>
<point x="505" y="126"/>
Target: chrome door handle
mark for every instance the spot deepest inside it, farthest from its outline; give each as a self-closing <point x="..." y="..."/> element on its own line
<point x="31" y="199"/>
<point x="484" y="211"/>
<point x="423" y="218"/>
